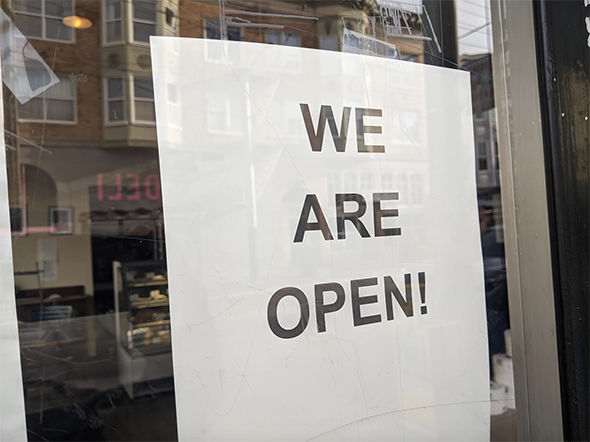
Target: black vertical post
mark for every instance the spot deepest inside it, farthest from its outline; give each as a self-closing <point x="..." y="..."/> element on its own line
<point x="563" y="58"/>
<point x="443" y="17"/>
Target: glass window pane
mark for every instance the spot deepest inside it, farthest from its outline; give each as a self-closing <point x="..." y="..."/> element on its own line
<point x="56" y="30"/>
<point x="143" y="88"/>
<point x="329" y="43"/>
<point x="60" y="110"/>
<point x="116" y="110"/>
<point x="170" y="17"/>
<point x="236" y="112"/>
<point x="212" y="29"/>
<point x="32" y="6"/>
<point x="273" y="38"/>
<point x="216" y="115"/>
<point x="234" y="33"/>
<point x="144" y="10"/>
<point x="63" y="89"/>
<point x="142" y="32"/>
<point x="172" y="93"/>
<point x="292" y="40"/>
<point x="114" y="31"/>
<point x="481" y="149"/>
<point x="58" y="8"/>
<point x="115" y="193"/>
<point x="144" y="111"/>
<point x="115" y="87"/>
<point x="31" y="110"/>
<point x="29" y="25"/>
<point x="113" y="9"/>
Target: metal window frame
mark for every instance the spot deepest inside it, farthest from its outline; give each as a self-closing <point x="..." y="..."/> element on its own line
<point x="526" y="223"/>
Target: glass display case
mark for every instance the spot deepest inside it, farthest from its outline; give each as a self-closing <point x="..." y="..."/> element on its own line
<point x="143" y="323"/>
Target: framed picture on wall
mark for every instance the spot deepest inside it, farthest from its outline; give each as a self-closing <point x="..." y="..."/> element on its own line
<point x="18" y="220"/>
<point x="61" y="220"/>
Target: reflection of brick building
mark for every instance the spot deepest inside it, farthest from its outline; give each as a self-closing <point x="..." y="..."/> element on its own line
<point x="484" y="120"/>
<point x="99" y="121"/>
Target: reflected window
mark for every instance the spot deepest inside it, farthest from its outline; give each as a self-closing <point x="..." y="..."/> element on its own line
<point x="329" y="43"/>
<point x="143" y="100"/>
<point x="170" y="19"/>
<point x="283" y="38"/>
<point x="56" y="105"/>
<point x="416" y="188"/>
<point x="172" y="94"/>
<point x="115" y="100"/>
<point x="408" y="57"/>
<point x="482" y="156"/>
<point x="402" y="183"/>
<point x="225" y="115"/>
<point x="43" y="19"/>
<point x="213" y="31"/>
<point x="113" y="16"/>
<point x="144" y="21"/>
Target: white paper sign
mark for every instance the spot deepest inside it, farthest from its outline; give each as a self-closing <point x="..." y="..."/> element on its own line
<point x="47" y="256"/>
<point x="326" y="279"/>
<point x="25" y="73"/>
<point x="12" y="407"/>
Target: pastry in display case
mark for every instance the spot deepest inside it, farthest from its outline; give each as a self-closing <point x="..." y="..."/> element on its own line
<point x="143" y="323"/>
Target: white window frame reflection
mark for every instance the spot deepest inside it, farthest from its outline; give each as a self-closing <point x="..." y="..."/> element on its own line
<point x="45" y="98"/>
<point x="234" y="55"/>
<point x="133" y="99"/>
<point x="134" y="20"/>
<point x="108" y="99"/>
<point x="174" y="28"/>
<point x="225" y="110"/>
<point x="215" y="23"/>
<point x="106" y="21"/>
<point x="44" y="17"/>
<point x="401" y="184"/>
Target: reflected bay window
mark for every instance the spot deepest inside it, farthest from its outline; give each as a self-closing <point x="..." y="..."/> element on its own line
<point x="115" y="100"/>
<point x="143" y="100"/>
<point x="113" y="17"/>
<point x="144" y="14"/>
